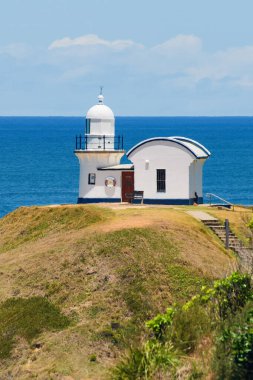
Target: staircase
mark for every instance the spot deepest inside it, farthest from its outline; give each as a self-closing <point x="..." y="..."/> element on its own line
<point x="245" y="254"/>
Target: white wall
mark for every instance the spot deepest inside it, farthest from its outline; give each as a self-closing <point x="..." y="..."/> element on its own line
<point x="196" y="174"/>
<point x="89" y="163"/>
<point x="102" y="127"/>
<point x="162" y="155"/>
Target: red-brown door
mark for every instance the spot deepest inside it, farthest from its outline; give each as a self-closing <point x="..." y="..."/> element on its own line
<point x="127" y="185"/>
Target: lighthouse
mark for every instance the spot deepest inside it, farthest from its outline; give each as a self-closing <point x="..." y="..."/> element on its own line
<point x="99" y="151"/>
<point x="162" y="170"/>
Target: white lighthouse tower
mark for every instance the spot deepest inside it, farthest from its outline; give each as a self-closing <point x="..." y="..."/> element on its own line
<point x="163" y="170"/>
<point x="99" y="150"/>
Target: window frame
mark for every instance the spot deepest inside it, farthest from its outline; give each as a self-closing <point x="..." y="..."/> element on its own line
<point x="87" y="127"/>
<point x="161" y="180"/>
<point x="92" y="179"/>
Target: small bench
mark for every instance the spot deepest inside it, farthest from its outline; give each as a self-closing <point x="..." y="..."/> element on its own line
<point x="135" y="195"/>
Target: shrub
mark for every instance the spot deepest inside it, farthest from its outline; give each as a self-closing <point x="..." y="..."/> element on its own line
<point x="234" y="350"/>
<point x="188" y="327"/>
<point x="146" y="362"/>
<point x="225" y="297"/>
<point x="250" y="224"/>
<point x="182" y="327"/>
<point x="159" y="324"/>
<point x="93" y="358"/>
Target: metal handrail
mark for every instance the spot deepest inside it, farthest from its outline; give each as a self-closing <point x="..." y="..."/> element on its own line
<point x="211" y="195"/>
<point x="86" y="142"/>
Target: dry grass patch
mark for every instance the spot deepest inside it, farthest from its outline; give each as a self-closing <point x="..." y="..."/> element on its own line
<point x="31" y="223"/>
<point x="108" y="272"/>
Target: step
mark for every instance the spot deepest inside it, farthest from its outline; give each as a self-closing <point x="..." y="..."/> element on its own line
<point x="235" y="244"/>
<point x="232" y="238"/>
<point x="211" y="221"/>
<point x="223" y="233"/>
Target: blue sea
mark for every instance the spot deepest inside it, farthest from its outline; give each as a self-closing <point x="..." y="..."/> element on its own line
<point x="38" y="166"/>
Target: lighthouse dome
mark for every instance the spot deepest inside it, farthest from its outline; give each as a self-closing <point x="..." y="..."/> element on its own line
<point x="100" y="111"/>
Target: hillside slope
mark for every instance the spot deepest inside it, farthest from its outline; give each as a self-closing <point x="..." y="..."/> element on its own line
<point x="105" y="271"/>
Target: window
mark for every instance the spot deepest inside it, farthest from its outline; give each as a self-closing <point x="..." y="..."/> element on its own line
<point x="161" y="180"/>
<point x="87" y="129"/>
<point x="92" y="179"/>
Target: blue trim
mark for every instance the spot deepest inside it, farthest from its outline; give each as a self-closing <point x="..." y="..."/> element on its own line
<point x="194" y="142"/>
<point x="186" y="202"/>
<point x="98" y="200"/>
<point x="163" y="139"/>
<point x="167" y="201"/>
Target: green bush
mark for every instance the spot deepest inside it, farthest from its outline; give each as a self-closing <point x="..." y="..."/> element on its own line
<point x="188" y="327"/>
<point x="181" y="328"/>
<point x="225" y="297"/>
<point x="147" y="362"/>
<point x="27" y="317"/>
<point x="233" y="358"/>
<point x="250" y="225"/>
<point x="159" y="324"/>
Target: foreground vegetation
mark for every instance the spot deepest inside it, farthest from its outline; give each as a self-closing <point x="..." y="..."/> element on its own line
<point x="221" y="315"/>
<point x="78" y="283"/>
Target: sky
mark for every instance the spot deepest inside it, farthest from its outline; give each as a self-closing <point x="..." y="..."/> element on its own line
<point x="153" y="58"/>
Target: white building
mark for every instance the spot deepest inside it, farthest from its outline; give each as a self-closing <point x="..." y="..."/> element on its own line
<point x="168" y="170"/>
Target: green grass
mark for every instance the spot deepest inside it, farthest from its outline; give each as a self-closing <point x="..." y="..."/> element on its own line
<point x="150" y="275"/>
<point x="148" y="256"/>
<point x="27" y="318"/>
<point x="184" y="281"/>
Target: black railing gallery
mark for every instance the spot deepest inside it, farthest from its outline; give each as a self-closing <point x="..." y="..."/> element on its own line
<point x="99" y="142"/>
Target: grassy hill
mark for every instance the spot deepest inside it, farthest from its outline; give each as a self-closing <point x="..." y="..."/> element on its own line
<point x="78" y="282"/>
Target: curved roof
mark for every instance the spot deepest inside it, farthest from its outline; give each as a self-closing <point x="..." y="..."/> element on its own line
<point x="192" y="142"/>
<point x="100" y="111"/>
<point x="198" y="150"/>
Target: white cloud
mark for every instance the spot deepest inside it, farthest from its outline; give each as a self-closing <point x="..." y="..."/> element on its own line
<point x="92" y="40"/>
<point x="181" y="58"/>
<point x="179" y="68"/>
<point x="181" y="44"/>
<point x="233" y="64"/>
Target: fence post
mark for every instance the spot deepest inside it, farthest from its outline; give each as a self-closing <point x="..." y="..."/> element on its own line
<point x="227" y="233"/>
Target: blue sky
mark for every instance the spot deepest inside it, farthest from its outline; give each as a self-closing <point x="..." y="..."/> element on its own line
<point x="153" y="58"/>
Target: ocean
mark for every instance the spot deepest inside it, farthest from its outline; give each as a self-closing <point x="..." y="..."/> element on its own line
<point x="38" y="166"/>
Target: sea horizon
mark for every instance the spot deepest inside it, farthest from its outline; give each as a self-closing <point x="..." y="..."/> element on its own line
<point x="133" y="116"/>
<point x="38" y="165"/>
